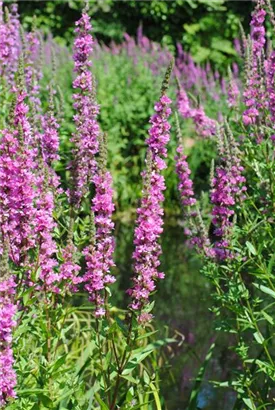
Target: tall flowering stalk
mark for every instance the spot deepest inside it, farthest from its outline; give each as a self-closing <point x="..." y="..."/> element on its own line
<point x="49" y="142"/>
<point x="17" y="212"/>
<point x="185" y="185"/>
<point x="7" y="323"/>
<point x="270" y="72"/>
<point x="150" y="213"/>
<point x="44" y="226"/>
<point x="258" y="29"/>
<point x="204" y="126"/>
<point x="49" y="137"/>
<point x="9" y="43"/>
<point x="69" y="268"/>
<point x="254" y="93"/>
<point x="195" y="228"/>
<point x="183" y="102"/>
<point x="87" y="129"/>
<point x="227" y="189"/>
<point x="32" y="44"/>
<point x="99" y="254"/>
<point x="20" y="117"/>
<point x="233" y="90"/>
<point x="223" y="199"/>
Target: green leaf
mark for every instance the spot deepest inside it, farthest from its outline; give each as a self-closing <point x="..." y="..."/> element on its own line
<point x="103" y="406"/>
<point x="258" y="337"/>
<point x="251" y="248"/>
<point x="46" y="400"/>
<point x="130" y="378"/>
<point x="28" y="392"/>
<point x="59" y="362"/>
<point x="225" y="46"/>
<point x="191" y="28"/>
<point x="249" y="403"/>
<point x="146" y="377"/>
<point x="265" y="289"/>
<point x="199" y="378"/>
<point x="268" y="317"/>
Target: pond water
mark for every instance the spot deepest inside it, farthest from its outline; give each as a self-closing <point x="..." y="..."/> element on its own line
<point x="182" y="309"/>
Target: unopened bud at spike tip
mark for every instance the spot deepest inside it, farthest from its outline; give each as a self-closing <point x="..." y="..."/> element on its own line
<point x="165" y="83"/>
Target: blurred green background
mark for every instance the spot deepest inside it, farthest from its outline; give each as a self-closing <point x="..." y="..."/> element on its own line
<point x="205" y="27"/>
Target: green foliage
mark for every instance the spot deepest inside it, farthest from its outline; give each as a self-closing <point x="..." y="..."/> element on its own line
<point x="205" y="27"/>
<point x="126" y="92"/>
<point x="68" y="360"/>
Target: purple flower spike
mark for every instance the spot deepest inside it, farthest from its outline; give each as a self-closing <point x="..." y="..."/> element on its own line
<point x="99" y="255"/>
<point x="7" y="323"/>
<point x="150" y="213"/>
<point x="87" y="129"/>
<point x="185" y="185"/>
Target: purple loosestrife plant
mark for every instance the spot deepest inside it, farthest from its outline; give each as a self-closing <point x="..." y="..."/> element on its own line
<point x="15" y="36"/>
<point x="227" y="189"/>
<point x="222" y="199"/>
<point x="17" y="194"/>
<point x="7" y="323"/>
<point x="185" y="185"/>
<point x="258" y="29"/>
<point x="49" y="138"/>
<point x="44" y="226"/>
<point x="69" y="268"/>
<point x="183" y="103"/>
<point x="194" y="228"/>
<point x="9" y="43"/>
<point x="254" y="94"/>
<point x="270" y="72"/>
<point x="85" y="138"/>
<point x="99" y="255"/>
<point x="150" y="213"/>
<point x="233" y="91"/>
<point x="17" y="212"/>
<point x="31" y="49"/>
<point x="49" y="143"/>
<point x="204" y="126"/>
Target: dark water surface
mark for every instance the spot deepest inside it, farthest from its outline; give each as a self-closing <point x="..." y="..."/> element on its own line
<point x="182" y="308"/>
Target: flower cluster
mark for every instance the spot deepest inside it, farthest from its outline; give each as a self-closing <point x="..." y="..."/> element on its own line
<point x="223" y="199"/>
<point x="204" y="126"/>
<point x="33" y="73"/>
<point x="44" y="225"/>
<point x="233" y="91"/>
<point x="99" y="255"/>
<point x="183" y="104"/>
<point x="194" y="226"/>
<point x="7" y="322"/>
<point x="254" y="97"/>
<point x="258" y="29"/>
<point x="228" y="189"/>
<point x="17" y="212"/>
<point x="255" y="92"/>
<point x="21" y="121"/>
<point x="49" y="139"/>
<point x="185" y="185"/>
<point x="270" y="72"/>
<point x="87" y="129"/>
<point x="69" y="269"/>
<point x="9" y="44"/>
<point x="150" y="213"/>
